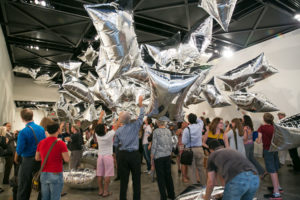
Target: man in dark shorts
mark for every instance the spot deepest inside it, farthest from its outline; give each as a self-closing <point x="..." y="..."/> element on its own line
<point x="240" y="175"/>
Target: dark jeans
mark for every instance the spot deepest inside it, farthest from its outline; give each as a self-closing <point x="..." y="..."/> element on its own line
<point x="147" y="156"/>
<point x="130" y="162"/>
<point x="8" y="165"/>
<point x="295" y="158"/>
<point x="164" y="177"/>
<point x="27" y="168"/>
<point x="249" y="148"/>
<point x="117" y="152"/>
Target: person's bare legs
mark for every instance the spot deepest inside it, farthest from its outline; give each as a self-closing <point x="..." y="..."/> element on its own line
<point x="275" y="182"/>
<point x="184" y="173"/>
<point x="178" y="162"/>
<point x="100" y="184"/>
<point x="106" y="184"/>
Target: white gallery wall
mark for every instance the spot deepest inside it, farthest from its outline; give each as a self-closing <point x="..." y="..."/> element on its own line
<point x="18" y="124"/>
<point x="282" y="89"/>
<point x="7" y="106"/>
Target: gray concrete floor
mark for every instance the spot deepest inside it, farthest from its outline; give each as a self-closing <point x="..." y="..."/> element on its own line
<point x="289" y="181"/>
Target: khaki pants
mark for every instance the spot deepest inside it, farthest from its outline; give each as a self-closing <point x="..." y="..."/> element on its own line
<point x="198" y="164"/>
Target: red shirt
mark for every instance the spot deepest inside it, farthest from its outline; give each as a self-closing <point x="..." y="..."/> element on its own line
<point x="267" y="132"/>
<point x="55" y="160"/>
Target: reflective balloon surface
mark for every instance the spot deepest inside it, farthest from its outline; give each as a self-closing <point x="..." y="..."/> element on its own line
<point x="88" y="56"/>
<point x="70" y="68"/>
<point x="220" y="10"/>
<point x="81" y="179"/>
<point x="117" y="35"/>
<point x="286" y="134"/>
<point x="197" y="191"/>
<point x="213" y="96"/>
<point x="252" y="102"/>
<point x="248" y="73"/>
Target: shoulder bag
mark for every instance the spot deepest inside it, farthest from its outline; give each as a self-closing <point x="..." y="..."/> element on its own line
<point x="187" y="154"/>
<point x="36" y="177"/>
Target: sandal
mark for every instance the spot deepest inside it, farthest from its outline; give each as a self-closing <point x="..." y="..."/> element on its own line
<point x="107" y="195"/>
<point x="100" y="194"/>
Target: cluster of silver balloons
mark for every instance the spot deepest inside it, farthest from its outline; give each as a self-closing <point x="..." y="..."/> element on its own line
<point x="286" y="134"/>
<point x="81" y="179"/>
<point x="196" y="192"/>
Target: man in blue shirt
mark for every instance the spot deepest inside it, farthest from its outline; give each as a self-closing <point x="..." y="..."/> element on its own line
<point x="192" y="138"/>
<point x="127" y="139"/>
<point x="28" y="139"/>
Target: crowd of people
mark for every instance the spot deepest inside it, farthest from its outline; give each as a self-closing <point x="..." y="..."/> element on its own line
<point x="222" y="154"/>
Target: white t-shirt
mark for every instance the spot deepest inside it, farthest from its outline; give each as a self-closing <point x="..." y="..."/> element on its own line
<point x="105" y="143"/>
<point x="147" y="132"/>
<point x="240" y="141"/>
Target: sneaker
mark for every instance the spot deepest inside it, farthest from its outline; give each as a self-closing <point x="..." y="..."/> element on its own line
<point x="149" y="172"/>
<point x="273" y="196"/>
<point x="272" y="188"/>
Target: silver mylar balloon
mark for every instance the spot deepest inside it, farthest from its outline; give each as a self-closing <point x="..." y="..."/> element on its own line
<point x="137" y="73"/>
<point x="101" y="93"/>
<point x="62" y="108"/>
<point x="90" y="114"/>
<point x="90" y="157"/>
<point x="77" y="88"/>
<point x="248" y="73"/>
<point x="47" y="76"/>
<point x="117" y="35"/>
<point x="29" y="71"/>
<point x="80" y="179"/>
<point x="197" y="191"/>
<point x="220" y="10"/>
<point x="70" y="68"/>
<point x="213" y="96"/>
<point x="287" y="134"/>
<point x="196" y="42"/>
<point x="162" y="52"/>
<point x="168" y="91"/>
<point x="68" y="96"/>
<point x="90" y="79"/>
<point x="193" y="100"/>
<point x="195" y="90"/>
<point x="88" y="56"/>
<point x="252" y="102"/>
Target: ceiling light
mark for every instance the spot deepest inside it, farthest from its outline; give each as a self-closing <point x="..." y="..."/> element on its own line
<point x="43" y="3"/>
<point x="227" y="52"/>
<point x="297" y="17"/>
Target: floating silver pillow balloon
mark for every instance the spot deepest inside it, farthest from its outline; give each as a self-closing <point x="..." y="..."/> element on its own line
<point x="88" y="56"/>
<point x="90" y="79"/>
<point x="162" y="52"/>
<point x="196" y="42"/>
<point x="77" y="88"/>
<point x="71" y="68"/>
<point x="137" y="73"/>
<point x="252" y="102"/>
<point x="168" y="91"/>
<point x="81" y="179"/>
<point x="197" y="191"/>
<point x="47" y="76"/>
<point x="287" y="134"/>
<point x="248" y="73"/>
<point x="68" y="96"/>
<point x="100" y="92"/>
<point x="193" y="100"/>
<point x="29" y="71"/>
<point x="213" y="96"/>
<point x="117" y="36"/>
<point x="90" y="114"/>
<point x="220" y="10"/>
<point x="62" y="108"/>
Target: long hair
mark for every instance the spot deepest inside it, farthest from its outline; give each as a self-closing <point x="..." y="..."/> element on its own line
<point x="238" y="126"/>
<point x="2" y="131"/>
<point x="213" y="125"/>
<point x="248" y="122"/>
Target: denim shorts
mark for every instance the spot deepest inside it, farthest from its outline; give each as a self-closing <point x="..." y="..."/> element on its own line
<point x="271" y="161"/>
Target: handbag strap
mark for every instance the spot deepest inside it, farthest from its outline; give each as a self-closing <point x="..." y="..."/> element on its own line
<point x="190" y="137"/>
<point x="46" y="158"/>
<point x="36" y="140"/>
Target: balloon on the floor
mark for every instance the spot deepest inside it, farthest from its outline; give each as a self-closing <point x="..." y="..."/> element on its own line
<point x="252" y="102"/>
<point x="196" y="192"/>
<point x="81" y="179"/>
<point x="88" y="56"/>
<point x="115" y="29"/>
<point x="213" y="96"/>
<point x="248" y="73"/>
<point x="287" y="134"/>
<point x="168" y="91"/>
<point x="90" y="156"/>
<point x="221" y="11"/>
<point x="77" y="88"/>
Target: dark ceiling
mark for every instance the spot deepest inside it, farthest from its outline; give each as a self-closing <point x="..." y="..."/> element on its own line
<point x="37" y="36"/>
